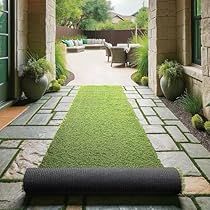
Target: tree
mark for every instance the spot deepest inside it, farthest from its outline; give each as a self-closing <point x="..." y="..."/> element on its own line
<point x="94" y="11"/>
<point x="142" y="18"/>
<point x="81" y="13"/>
<point x="69" y="12"/>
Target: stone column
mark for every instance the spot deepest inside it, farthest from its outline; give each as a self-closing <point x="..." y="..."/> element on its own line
<point x="162" y="37"/>
<point x="205" y="35"/>
<point x="42" y="29"/>
<point x="184" y="46"/>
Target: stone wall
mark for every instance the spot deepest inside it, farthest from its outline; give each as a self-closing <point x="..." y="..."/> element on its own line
<point x="22" y="41"/>
<point x="206" y="54"/>
<point x="42" y="29"/>
<point x="162" y="37"/>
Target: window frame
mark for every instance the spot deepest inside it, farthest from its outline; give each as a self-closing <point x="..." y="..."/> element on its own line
<point x="196" y="34"/>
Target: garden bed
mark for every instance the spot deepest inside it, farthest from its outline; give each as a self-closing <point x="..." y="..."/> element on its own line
<point x="185" y="118"/>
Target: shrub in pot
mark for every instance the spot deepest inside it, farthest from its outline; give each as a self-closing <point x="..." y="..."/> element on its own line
<point x="172" y="79"/>
<point x="34" y="82"/>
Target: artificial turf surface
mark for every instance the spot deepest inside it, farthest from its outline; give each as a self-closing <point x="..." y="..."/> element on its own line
<point x="101" y="130"/>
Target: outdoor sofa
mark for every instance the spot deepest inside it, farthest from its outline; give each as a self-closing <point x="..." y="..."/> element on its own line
<point x="81" y="45"/>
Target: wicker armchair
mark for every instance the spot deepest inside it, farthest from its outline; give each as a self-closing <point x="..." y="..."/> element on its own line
<point x="131" y="57"/>
<point x="118" y="55"/>
<point x="108" y="51"/>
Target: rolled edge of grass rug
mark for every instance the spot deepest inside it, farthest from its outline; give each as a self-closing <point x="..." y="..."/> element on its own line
<point x="102" y="181"/>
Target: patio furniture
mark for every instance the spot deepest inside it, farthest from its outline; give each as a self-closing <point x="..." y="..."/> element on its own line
<point x="125" y="45"/>
<point x="118" y="55"/>
<point x="107" y="48"/>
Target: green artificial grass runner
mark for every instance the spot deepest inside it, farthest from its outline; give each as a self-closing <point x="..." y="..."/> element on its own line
<point x="101" y="130"/>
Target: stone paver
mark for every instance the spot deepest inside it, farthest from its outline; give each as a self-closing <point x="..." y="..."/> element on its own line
<point x="10" y="144"/>
<point x="26" y="116"/>
<point x="187" y="204"/>
<point x="203" y="202"/>
<point x="40" y="119"/>
<point x="192" y="138"/>
<point x="165" y="113"/>
<point x="67" y="99"/>
<point x="196" y="151"/>
<point x="30" y="156"/>
<point x="154" y="120"/>
<point x="178" y="123"/>
<point x="151" y="129"/>
<point x="162" y="142"/>
<point x="133" y="96"/>
<point x="133" y="103"/>
<point x="28" y="132"/>
<point x="149" y="97"/>
<point x="148" y="111"/>
<point x="180" y="161"/>
<point x="176" y="134"/>
<point x="146" y="103"/>
<point x="59" y="115"/>
<point x="55" y="122"/>
<point x="140" y="117"/>
<point x="62" y="107"/>
<point x="196" y="185"/>
<point x="204" y="165"/>
<point x="6" y="156"/>
<point x="44" y="111"/>
<point x="145" y="91"/>
<point x="52" y="103"/>
<point x="11" y="195"/>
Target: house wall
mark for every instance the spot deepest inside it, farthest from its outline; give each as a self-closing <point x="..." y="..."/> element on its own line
<point x="42" y="29"/>
<point x="205" y="34"/>
<point x="162" y="37"/>
<point x="170" y="38"/>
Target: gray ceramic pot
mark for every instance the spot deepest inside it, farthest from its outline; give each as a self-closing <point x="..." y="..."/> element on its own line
<point x="34" y="90"/>
<point x="173" y="89"/>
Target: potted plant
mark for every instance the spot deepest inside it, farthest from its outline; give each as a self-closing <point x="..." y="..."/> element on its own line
<point x="172" y="79"/>
<point x="35" y="82"/>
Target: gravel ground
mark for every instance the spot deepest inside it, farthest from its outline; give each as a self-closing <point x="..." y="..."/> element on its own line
<point x="185" y="117"/>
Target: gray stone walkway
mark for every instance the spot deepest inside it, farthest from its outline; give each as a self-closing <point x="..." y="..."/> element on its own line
<point x="25" y="141"/>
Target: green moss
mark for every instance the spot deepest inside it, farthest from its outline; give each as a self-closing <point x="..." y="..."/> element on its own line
<point x="136" y="77"/>
<point x="144" y="81"/>
<point x="207" y="127"/>
<point x="197" y="122"/>
<point x="101" y="130"/>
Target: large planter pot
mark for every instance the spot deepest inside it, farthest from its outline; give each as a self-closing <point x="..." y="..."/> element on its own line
<point x="173" y="89"/>
<point x="34" y="90"/>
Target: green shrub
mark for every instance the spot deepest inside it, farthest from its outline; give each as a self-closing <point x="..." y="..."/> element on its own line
<point x="207" y="127"/>
<point x="197" y="122"/>
<point x="171" y="70"/>
<point x="36" y="68"/>
<point x="61" y="82"/>
<point x="136" y="77"/>
<point x="54" y="86"/>
<point x="63" y="77"/>
<point x="60" y="60"/>
<point x="141" y="55"/>
<point x="144" y="81"/>
<point x="191" y="104"/>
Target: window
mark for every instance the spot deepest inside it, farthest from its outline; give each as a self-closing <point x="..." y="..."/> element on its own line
<point x="196" y="31"/>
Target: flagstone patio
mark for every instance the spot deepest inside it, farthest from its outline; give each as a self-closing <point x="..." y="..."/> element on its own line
<point x="25" y="141"/>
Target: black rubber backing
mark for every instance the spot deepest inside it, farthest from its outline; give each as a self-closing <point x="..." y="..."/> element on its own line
<point x="96" y="181"/>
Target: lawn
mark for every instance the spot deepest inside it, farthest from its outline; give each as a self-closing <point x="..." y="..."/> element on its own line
<point x="101" y="130"/>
